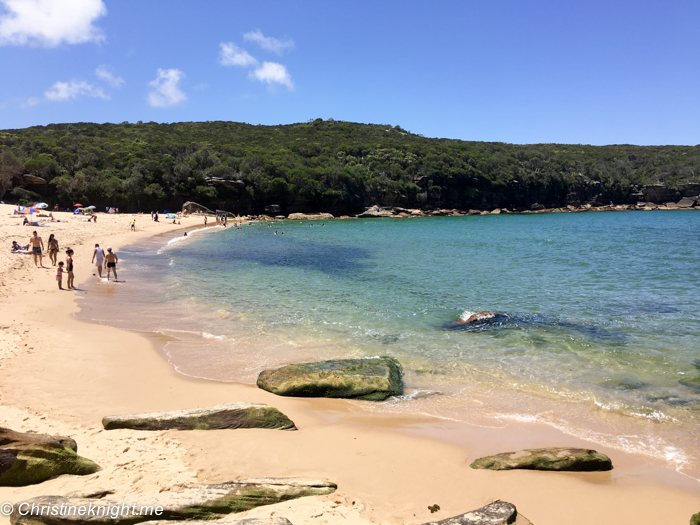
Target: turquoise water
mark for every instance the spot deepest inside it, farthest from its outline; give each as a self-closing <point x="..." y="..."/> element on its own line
<point x="599" y="332"/>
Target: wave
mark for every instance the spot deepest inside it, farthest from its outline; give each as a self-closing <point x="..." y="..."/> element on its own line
<point x="175" y="240"/>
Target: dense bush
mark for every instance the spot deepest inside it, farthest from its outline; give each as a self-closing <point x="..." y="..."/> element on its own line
<point x="318" y="165"/>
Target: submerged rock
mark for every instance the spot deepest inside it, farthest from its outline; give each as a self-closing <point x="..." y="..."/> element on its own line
<point x="227" y="415"/>
<point x="26" y="459"/>
<point x="691" y="382"/>
<point x="205" y="502"/>
<point x="476" y="318"/>
<point x="553" y="458"/>
<point x="496" y="513"/>
<point x="373" y="379"/>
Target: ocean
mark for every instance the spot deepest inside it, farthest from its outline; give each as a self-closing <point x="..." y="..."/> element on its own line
<point x="597" y="332"/>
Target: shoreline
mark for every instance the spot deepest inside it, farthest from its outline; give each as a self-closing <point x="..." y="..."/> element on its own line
<point x="72" y="373"/>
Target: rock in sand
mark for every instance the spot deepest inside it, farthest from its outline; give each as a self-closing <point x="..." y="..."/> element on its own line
<point x="372" y="379"/>
<point x="205" y="502"/>
<point x="553" y="458"/>
<point x="26" y="459"/>
<point x="226" y="415"/>
<point x="496" y="513"/>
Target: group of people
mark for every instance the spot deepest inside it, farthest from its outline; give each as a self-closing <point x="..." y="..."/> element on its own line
<point x="107" y="260"/>
<point x="35" y="247"/>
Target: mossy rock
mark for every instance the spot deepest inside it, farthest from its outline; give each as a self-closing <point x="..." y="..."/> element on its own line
<point x="695" y="519"/>
<point x="372" y="379"/>
<point x="496" y="513"/>
<point x="206" y="502"/>
<point x="224" y="416"/>
<point x="554" y="459"/>
<point x="27" y="459"/>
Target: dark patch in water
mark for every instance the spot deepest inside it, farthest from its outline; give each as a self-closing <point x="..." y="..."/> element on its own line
<point x="287" y="251"/>
<point x="672" y="400"/>
<point x="536" y="322"/>
<point x="623" y="383"/>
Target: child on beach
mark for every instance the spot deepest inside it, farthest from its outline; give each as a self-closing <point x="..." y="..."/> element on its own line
<point x="59" y="275"/>
<point x="69" y="269"/>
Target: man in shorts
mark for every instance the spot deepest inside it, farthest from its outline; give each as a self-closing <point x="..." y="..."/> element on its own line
<point x="98" y="258"/>
<point x="37" y="245"/>
<point x="112" y="261"/>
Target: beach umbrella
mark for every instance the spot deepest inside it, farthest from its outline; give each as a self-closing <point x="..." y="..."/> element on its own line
<point x="78" y="205"/>
<point x="30" y="209"/>
<point x="90" y="208"/>
<point x="41" y="205"/>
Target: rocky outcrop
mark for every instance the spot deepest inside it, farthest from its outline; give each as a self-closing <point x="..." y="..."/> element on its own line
<point x="372" y="379"/>
<point x="687" y="202"/>
<point x="205" y="502"/>
<point x="26" y="459"/>
<point x="553" y="458"/>
<point x="374" y="212"/>
<point x="309" y="216"/>
<point x="496" y="513"/>
<point x="227" y="415"/>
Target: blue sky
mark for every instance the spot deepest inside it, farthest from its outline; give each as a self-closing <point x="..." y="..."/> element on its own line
<point x="588" y="72"/>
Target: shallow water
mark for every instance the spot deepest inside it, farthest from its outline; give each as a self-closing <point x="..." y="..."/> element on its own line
<point x="598" y="331"/>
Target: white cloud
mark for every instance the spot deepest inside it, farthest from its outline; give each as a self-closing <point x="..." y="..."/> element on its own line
<point x="267" y="42"/>
<point x="166" y="90"/>
<point x="232" y="55"/>
<point x="103" y="73"/>
<point x="30" y="102"/>
<point x="49" y="23"/>
<point x="272" y="73"/>
<point x="61" y="91"/>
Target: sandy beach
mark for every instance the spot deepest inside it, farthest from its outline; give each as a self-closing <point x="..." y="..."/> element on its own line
<point x="62" y="375"/>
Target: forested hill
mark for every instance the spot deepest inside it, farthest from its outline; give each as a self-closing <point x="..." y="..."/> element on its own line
<point x="322" y="165"/>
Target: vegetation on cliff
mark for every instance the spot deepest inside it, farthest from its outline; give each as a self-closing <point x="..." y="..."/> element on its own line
<point x="318" y="165"/>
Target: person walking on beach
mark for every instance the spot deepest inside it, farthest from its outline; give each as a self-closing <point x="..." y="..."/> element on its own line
<point x="69" y="269"/>
<point x="133" y="225"/>
<point x="98" y="259"/>
<point x="37" y="244"/>
<point x="53" y="249"/>
<point x="112" y="261"/>
<point x="205" y="220"/>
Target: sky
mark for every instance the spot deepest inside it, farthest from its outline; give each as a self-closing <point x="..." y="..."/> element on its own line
<point x="520" y="71"/>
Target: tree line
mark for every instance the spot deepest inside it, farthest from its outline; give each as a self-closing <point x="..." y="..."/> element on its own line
<point x="320" y="165"/>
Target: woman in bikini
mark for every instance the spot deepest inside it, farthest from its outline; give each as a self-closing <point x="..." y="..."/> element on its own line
<point x="69" y="269"/>
<point x="53" y="249"/>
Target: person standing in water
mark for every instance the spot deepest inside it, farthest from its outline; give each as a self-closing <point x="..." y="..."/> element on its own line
<point x="112" y="261"/>
<point x="98" y="259"/>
